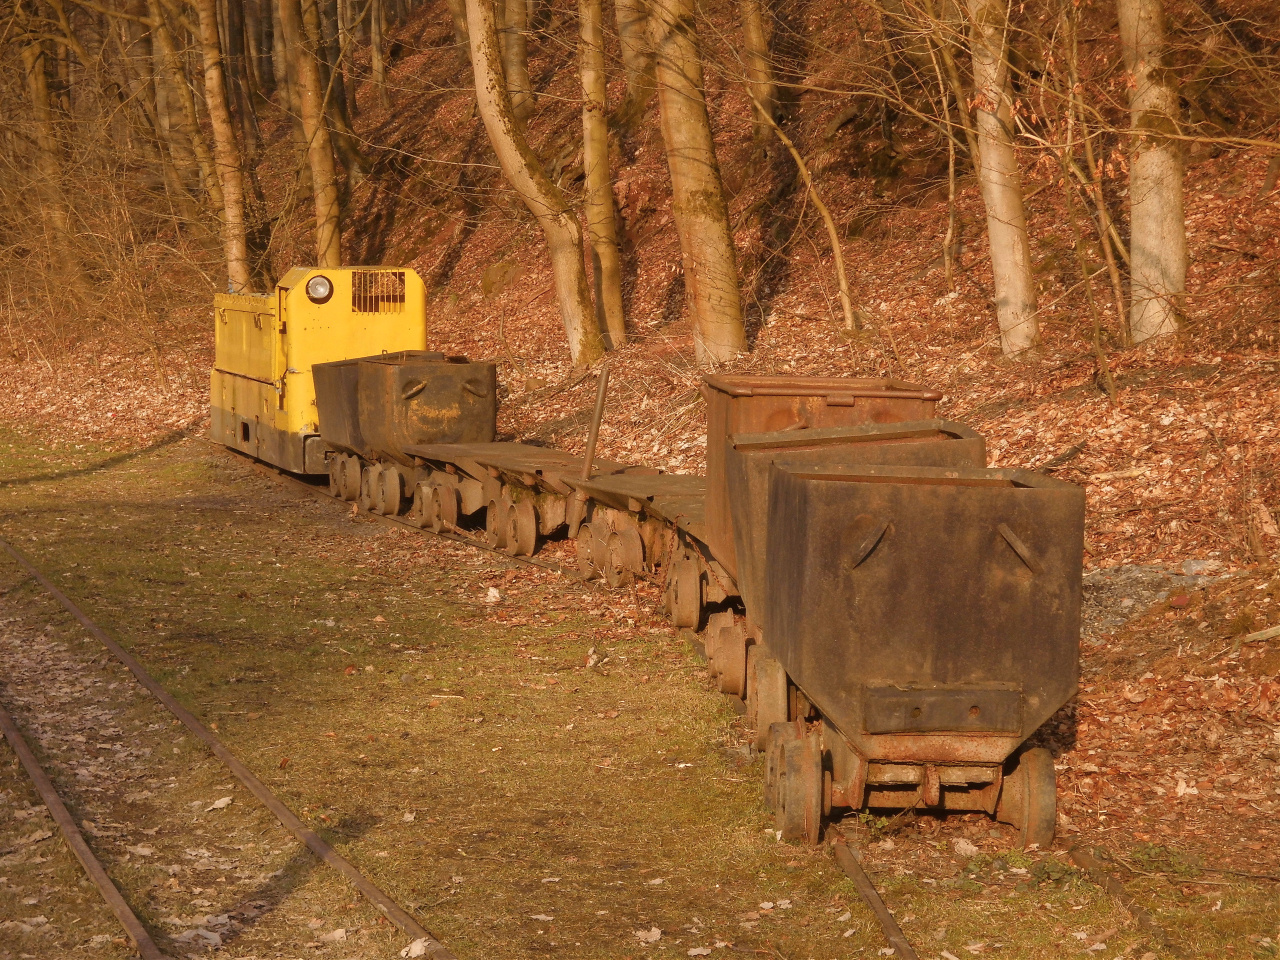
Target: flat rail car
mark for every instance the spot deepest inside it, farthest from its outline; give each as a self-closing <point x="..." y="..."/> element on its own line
<point x="898" y="618"/>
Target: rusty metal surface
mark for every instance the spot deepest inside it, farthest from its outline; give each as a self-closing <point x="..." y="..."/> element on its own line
<point x="738" y="404"/>
<point x="410" y="397"/>
<point x="749" y="457"/>
<point x="893" y="590"/>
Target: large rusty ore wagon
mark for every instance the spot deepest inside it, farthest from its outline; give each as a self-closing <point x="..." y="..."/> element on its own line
<point x="898" y="619"/>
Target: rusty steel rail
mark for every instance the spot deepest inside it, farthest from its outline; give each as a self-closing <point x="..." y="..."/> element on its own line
<point x="389" y="908"/>
<point x="848" y="862"/>
<point x="147" y="948"/>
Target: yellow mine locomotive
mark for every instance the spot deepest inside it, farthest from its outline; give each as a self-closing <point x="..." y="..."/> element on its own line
<point x="897" y="617"/>
<point x="262" y="396"/>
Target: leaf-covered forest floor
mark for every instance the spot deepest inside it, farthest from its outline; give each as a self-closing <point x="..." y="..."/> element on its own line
<point x="1167" y="760"/>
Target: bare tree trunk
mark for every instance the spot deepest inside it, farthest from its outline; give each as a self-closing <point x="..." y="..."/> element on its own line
<point x="757" y="29"/>
<point x="177" y="74"/>
<point x="698" y="204"/>
<point x="346" y="56"/>
<point x="637" y="59"/>
<point x="1158" y="237"/>
<point x="515" y="56"/>
<point x="287" y="71"/>
<point x="597" y="201"/>
<point x="458" y="14"/>
<point x="324" y="180"/>
<point x="226" y="150"/>
<point x="322" y="36"/>
<point x="377" y="55"/>
<point x="524" y="172"/>
<point x="49" y="186"/>
<point x="1001" y="182"/>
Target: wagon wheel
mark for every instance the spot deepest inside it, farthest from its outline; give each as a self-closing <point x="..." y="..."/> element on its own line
<point x="444" y="505"/>
<point x="798" y="810"/>
<point x="349" y="478"/>
<point x="419" y="511"/>
<point x="392" y="492"/>
<point x="753" y="655"/>
<point x="495" y="523"/>
<point x="522" y="528"/>
<point x="583" y="543"/>
<point x="335" y="477"/>
<point x="631" y="546"/>
<point x="771" y="697"/>
<point x="684" y="596"/>
<point x="613" y="563"/>
<point x="369" y="486"/>
<point x="781" y="734"/>
<point x="731" y="660"/>
<point x="1028" y="798"/>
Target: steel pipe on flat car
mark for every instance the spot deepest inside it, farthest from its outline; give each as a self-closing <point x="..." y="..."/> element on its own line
<point x="390" y="909"/>
<point x="147" y="948"/>
<point x="848" y="862"/>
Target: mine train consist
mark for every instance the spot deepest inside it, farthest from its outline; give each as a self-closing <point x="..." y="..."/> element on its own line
<point x="898" y="617"/>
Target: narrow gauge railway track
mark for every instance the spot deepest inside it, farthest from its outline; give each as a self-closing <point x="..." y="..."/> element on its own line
<point x="846" y="859"/>
<point x="431" y="947"/>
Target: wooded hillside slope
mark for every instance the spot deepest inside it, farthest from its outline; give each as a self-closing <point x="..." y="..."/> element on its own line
<point x="115" y="222"/>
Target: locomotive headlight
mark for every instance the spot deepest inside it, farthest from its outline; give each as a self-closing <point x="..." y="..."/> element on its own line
<point x="319" y="289"/>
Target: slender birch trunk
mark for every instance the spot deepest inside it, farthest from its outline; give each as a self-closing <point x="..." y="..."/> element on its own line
<point x="698" y="205"/>
<point x="226" y="150"/>
<point x="515" y="56"/>
<point x="1000" y="179"/>
<point x="324" y="178"/>
<point x="602" y="224"/>
<point x="524" y="172"/>
<point x="1158" y="230"/>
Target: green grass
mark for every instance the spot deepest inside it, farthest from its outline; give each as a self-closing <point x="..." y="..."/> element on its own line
<point x="464" y="755"/>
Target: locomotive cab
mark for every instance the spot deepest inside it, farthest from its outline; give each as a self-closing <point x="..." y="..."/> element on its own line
<point x="262" y="395"/>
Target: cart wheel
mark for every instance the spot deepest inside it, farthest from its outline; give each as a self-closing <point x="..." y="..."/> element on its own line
<point x="631" y="548"/>
<point x="369" y="487"/>
<point x="349" y="477"/>
<point x="584" y="543"/>
<point x="522" y="528"/>
<point x="798" y="814"/>
<point x="495" y="523"/>
<point x="771" y="697"/>
<point x="419" y="512"/>
<point x="685" y="593"/>
<point x="613" y="563"/>
<point x="780" y="735"/>
<point x="392" y="492"/>
<point x="335" y="476"/>
<point x="1028" y="798"/>
<point x="731" y="660"/>
<point x="444" y="505"/>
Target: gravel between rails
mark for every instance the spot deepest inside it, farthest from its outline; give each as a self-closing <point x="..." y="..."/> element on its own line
<point x="202" y="873"/>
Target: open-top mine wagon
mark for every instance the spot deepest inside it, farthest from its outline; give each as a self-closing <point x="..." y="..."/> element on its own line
<point x="898" y="618"/>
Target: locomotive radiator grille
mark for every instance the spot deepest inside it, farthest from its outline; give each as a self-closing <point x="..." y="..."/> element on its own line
<point x="377" y="291"/>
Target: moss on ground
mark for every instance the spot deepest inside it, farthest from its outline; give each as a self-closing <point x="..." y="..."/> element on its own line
<point x="546" y="774"/>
